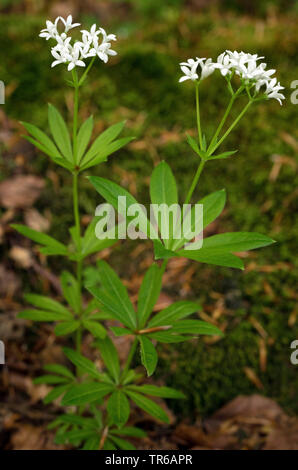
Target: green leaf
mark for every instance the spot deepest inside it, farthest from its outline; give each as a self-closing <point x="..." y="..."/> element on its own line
<point x="193" y="144"/>
<point x="222" y="155"/>
<point x="213" y="205"/>
<point x="59" y="369"/>
<point x="60" y="132"/>
<point x="111" y="148"/>
<point x="210" y="257"/>
<point x="103" y="140"/>
<point x="148" y="405"/>
<point x="45" y="141"/>
<point x="167" y="337"/>
<point x="237" y="241"/>
<point x="122" y="444"/>
<point x="46" y="303"/>
<point x="59" y="161"/>
<point x="95" y="328"/>
<point x="196" y="327"/>
<point x="39" y="237"/>
<point x="111" y="192"/>
<point x="77" y="435"/>
<point x="83" y="137"/>
<point x="174" y="312"/>
<point x="117" y="293"/>
<point x="130" y="431"/>
<point x="163" y="190"/>
<point x="109" y="355"/>
<point x="50" y="379"/>
<point x="92" y="443"/>
<point x="67" y="327"/>
<point x="121" y="331"/>
<point x="164" y="392"/>
<point x="149" y="293"/>
<point x="118" y="408"/>
<point x="44" y="315"/>
<point x="55" y="393"/>
<point x="149" y="356"/>
<point x="160" y="252"/>
<point x="86" y="393"/>
<point x="92" y="244"/>
<point x="71" y="290"/>
<point x="82" y="363"/>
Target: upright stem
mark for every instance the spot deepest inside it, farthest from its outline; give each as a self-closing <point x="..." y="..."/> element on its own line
<point x="233" y="125"/>
<point x="79" y="262"/>
<point x="75" y="113"/>
<point x="129" y="358"/>
<point x="224" y="118"/>
<point x="86" y="71"/>
<point x="198" y="115"/>
<point x="195" y="181"/>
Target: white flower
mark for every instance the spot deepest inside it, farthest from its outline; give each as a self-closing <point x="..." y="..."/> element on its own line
<point x="189" y="69"/>
<point x="68" y="23"/>
<point x="207" y="67"/>
<point x="223" y="63"/>
<point x="272" y="89"/>
<point x="72" y="54"/>
<point x="50" y="31"/>
<point x="103" y="50"/>
<point x="90" y="36"/>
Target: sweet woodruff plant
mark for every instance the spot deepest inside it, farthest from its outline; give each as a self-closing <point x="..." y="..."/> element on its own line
<point x="96" y="403"/>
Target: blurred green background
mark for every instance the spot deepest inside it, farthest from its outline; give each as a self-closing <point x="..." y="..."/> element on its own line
<point x="141" y="85"/>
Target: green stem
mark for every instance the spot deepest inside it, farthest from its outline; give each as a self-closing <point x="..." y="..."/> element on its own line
<point x="75" y="113"/>
<point x="232" y="125"/>
<point x="198" y="115"/>
<point x="224" y="118"/>
<point x="195" y="181"/>
<point x="86" y="71"/>
<point x="129" y="358"/>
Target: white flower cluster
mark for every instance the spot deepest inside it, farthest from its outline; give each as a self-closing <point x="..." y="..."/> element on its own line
<point x="95" y="42"/>
<point x="245" y="65"/>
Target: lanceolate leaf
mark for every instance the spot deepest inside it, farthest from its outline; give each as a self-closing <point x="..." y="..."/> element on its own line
<point x="149" y="293"/>
<point x="110" y="356"/>
<point x="71" y="290"/>
<point x="95" y="328"/>
<point x="66" y="327"/>
<point x="213" y="205"/>
<point x="114" y="287"/>
<point x="83" y="138"/>
<point x="59" y="161"/>
<point x="148" y="405"/>
<point x="149" y="356"/>
<point x="59" y="369"/>
<point x="56" y="393"/>
<point x="60" y="132"/>
<point x="237" y="241"/>
<point x="174" y="312"/>
<point x="163" y="191"/>
<point x="82" y="362"/>
<point x="111" y="148"/>
<point x="45" y="141"/>
<point x="111" y="192"/>
<point x="195" y="327"/>
<point x="40" y="237"/>
<point x="102" y="141"/>
<point x="46" y="303"/>
<point x="86" y="393"/>
<point x="118" y="408"/>
<point x="44" y="315"/>
<point x="209" y="256"/>
<point x="153" y="390"/>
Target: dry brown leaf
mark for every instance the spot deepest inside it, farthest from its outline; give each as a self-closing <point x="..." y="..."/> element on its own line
<point x="20" y="191"/>
<point x="22" y="256"/>
<point x="36" y="221"/>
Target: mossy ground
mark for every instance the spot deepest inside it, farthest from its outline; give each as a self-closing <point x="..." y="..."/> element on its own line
<point x="141" y="85"/>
